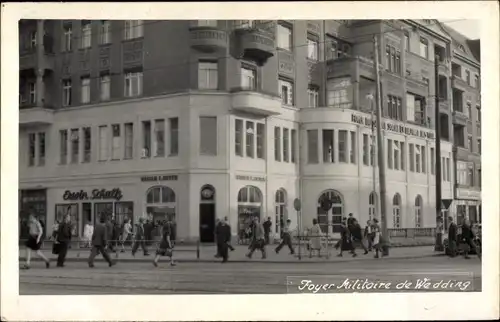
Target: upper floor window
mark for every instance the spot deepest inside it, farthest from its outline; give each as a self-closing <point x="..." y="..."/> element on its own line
<point x="312" y="146"/>
<point x="467" y="77"/>
<point x="174" y="136"/>
<point x="248" y="78"/>
<point x="66" y="93"/>
<point x="478" y="113"/>
<point x="407" y="41"/>
<point x="393" y="60"/>
<point x="32" y="89"/>
<point x="208" y="135"/>
<point x="105" y="32"/>
<point x="277" y="143"/>
<point x="476" y="81"/>
<point x="41" y="148"/>
<point x="207" y="75"/>
<point x="207" y="23"/>
<point x="286" y="91"/>
<point x="33" y="36"/>
<point x="339" y="90"/>
<point x="313" y="96"/>
<point x="133" y="29"/>
<point x="32" y="149"/>
<point x="85" y="90"/>
<point x="415" y="109"/>
<point x="86" y="34"/>
<point x="312" y="48"/>
<point x="424" y="48"/>
<point x="394" y="108"/>
<point x="67" y="37"/>
<point x="133" y="84"/>
<point x="105" y="87"/>
<point x="285" y="37"/>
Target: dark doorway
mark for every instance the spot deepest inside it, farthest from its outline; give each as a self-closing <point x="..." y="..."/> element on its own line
<point x="207" y="222"/>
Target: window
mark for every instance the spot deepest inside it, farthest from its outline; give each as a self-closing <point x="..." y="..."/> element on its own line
<point x="396" y="211"/>
<point x="412" y="157"/>
<point x="207" y="75"/>
<point x="260" y="140"/>
<point x="458" y="135"/>
<point x="67" y="37"/>
<point x="103" y="143"/>
<point x="286" y="144"/>
<point x="476" y="81"/>
<point x="66" y="99"/>
<point x="277" y="143"/>
<point x="479" y="177"/>
<point x="394" y="108"/>
<point x="410" y="107"/>
<point x="424" y="48"/>
<point x="75" y="145"/>
<point x="397" y="64"/>
<point x="392" y="60"/>
<point x="146" y="139"/>
<point x="133" y="84"/>
<point x="424" y="159"/>
<point x="469" y="110"/>
<point x="312" y="146"/>
<point x="373" y="150"/>
<point x="32" y="88"/>
<point x="207" y="23"/>
<point x="105" y="32"/>
<point x="448" y="169"/>
<point x="63" y="141"/>
<point x="33" y="39"/>
<point x="366" y="149"/>
<point x="467" y="77"/>
<point x="116" y="140"/>
<point x="159" y="138"/>
<point x="285" y="38"/>
<point x="433" y="161"/>
<point x="129" y="141"/>
<point x="478" y="113"/>
<point x="402" y="155"/>
<point x="87" y="144"/>
<point x="41" y="148"/>
<point x="469" y="143"/>
<point x="328" y="146"/>
<point x="250" y="134"/>
<point x="415" y="109"/>
<point x="396" y="155"/>
<point x="390" y="163"/>
<point x="418" y="212"/>
<point x="105" y="87"/>
<point x="133" y="29"/>
<point x="238" y="137"/>
<point x="470" y="175"/>
<point x="479" y="146"/>
<point x="312" y="49"/>
<point x="86" y="34"/>
<point x="462" y="175"/>
<point x="338" y="92"/>
<point x="388" y="57"/>
<point x="208" y="135"/>
<point x="372" y="206"/>
<point x="85" y="92"/>
<point x="174" y="136"/>
<point x="353" y="147"/>
<point x="313" y="96"/>
<point x="32" y="148"/>
<point x="407" y="41"/>
<point x="342" y="146"/>
<point x="248" y="79"/>
<point x="294" y="146"/>
<point x="286" y="92"/>
<point x="418" y="156"/>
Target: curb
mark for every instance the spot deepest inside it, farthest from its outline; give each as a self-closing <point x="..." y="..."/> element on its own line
<point x="297" y="261"/>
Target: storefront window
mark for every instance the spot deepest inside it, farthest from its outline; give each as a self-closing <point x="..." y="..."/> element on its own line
<point x="249" y="206"/>
<point x="123" y="211"/>
<point x="161" y="204"/>
<point x="72" y="209"/>
<point x="336" y="212"/>
<point x="102" y="209"/>
<point x="280" y="204"/>
<point x="34" y="201"/>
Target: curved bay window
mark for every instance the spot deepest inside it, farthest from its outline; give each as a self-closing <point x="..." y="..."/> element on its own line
<point x="249" y="206"/>
<point x="396" y="211"/>
<point x="160" y="204"/>
<point x="281" y="211"/>
<point x="418" y="212"/>
<point x="336" y="212"/>
<point x="72" y="209"/>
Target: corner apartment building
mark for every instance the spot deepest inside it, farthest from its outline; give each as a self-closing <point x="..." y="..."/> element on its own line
<point x="200" y="120"/>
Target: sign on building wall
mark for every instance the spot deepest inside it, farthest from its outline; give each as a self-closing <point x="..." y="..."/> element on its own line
<point x="95" y="194"/>
<point x="159" y="178"/>
<point x="393" y="127"/>
<point x="250" y="178"/>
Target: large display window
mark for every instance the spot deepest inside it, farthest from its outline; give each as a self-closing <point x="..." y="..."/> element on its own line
<point x="71" y="209"/>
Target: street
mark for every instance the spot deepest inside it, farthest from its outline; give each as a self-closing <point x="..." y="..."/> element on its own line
<point x="230" y="278"/>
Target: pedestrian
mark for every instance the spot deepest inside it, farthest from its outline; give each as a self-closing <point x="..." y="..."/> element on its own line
<point x="166" y="246"/>
<point x="350" y="220"/>
<point x="345" y="238"/>
<point x="139" y="238"/>
<point x="148" y="232"/>
<point x="109" y="231"/>
<point x="357" y="237"/>
<point x="34" y="241"/>
<point x="99" y="243"/>
<point x="377" y="238"/>
<point x="88" y="231"/>
<point x="267" y="229"/>
<point x="439" y="236"/>
<point x="368" y="235"/>
<point x="127" y="231"/>
<point x="55" y="229"/>
<point x="452" y="238"/>
<point x="63" y="239"/>
<point x="467" y="239"/>
<point x="223" y="239"/>
<point x="231" y="248"/>
<point x="258" y="239"/>
<point x="286" y="238"/>
<point x="217" y="224"/>
<point x="315" y="235"/>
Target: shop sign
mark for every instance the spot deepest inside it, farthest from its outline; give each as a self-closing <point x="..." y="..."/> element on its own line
<point x="159" y="178"/>
<point x="250" y="178"/>
<point x="96" y="194"/>
<point x="393" y="127"/>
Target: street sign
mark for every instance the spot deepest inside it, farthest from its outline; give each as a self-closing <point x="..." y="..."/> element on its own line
<point x="325" y="204"/>
<point x="296" y="204"/>
<point x="445" y="203"/>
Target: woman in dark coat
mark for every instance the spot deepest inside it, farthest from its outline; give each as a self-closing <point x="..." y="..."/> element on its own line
<point x="345" y="238"/>
<point x="467" y="239"/>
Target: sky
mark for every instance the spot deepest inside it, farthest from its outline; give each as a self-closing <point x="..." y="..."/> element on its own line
<point x="468" y="28"/>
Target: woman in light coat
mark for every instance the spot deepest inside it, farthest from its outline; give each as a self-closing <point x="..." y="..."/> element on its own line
<point x="315" y="236"/>
<point x="88" y="231"/>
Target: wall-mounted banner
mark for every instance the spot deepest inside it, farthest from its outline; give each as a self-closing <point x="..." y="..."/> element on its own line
<point x="159" y="178"/>
<point x="250" y="178"/>
<point x="393" y="127"/>
<point x="96" y="194"/>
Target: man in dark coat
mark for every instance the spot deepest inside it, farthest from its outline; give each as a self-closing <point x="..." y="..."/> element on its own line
<point x="109" y="231"/>
<point x="467" y="239"/>
<point x="267" y="229"/>
<point x="452" y="238"/>
<point x="63" y="238"/>
<point x="223" y="233"/>
<point x="139" y="238"/>
<point x="99" y="242"/>
<point x="357" y="237"/>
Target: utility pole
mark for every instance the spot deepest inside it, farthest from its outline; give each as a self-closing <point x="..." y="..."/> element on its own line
<point x="437" y="122"/>
<point x="380" y="144"/>
<point x="372" y="155"/>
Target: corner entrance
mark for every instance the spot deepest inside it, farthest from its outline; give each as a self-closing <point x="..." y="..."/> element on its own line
<point x="207" y="214"/>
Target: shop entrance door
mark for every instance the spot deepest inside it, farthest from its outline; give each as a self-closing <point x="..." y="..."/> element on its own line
<point x="207" y="222"/>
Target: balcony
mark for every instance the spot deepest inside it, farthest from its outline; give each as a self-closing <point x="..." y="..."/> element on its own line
<point x="343" y="66"/>
<point x="30" y="115"/>
<point x="256" y="44"/>
<point x="468" y="193"/>
<point x="208" y="38"/>
<point x="444" y="67"/>
<point x="459" y="83"/>
<point x="444" y="105"/>
<point x="28" y="58"/>
<point x="250" y="101"/>
<point x="460" y="118"/>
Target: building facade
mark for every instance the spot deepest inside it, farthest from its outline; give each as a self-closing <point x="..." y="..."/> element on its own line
<point x="230" y="118"/>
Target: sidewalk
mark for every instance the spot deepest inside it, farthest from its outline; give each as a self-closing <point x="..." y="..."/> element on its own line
<point x="189" y="254"/>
